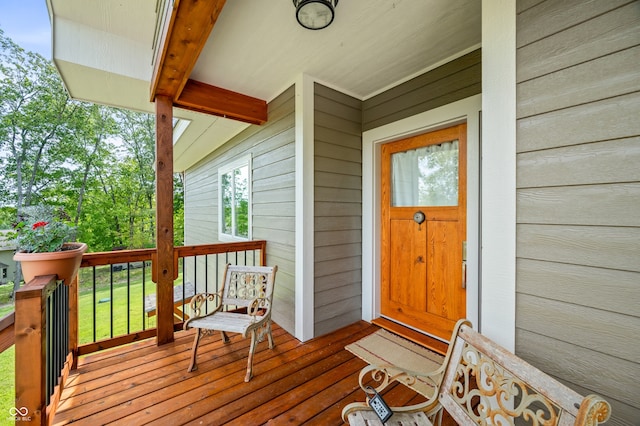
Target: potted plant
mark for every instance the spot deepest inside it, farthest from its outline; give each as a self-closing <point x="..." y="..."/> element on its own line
<point x="44" y="245"/>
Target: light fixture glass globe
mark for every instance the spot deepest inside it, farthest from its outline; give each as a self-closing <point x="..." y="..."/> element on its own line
<point x="315" y="14"/>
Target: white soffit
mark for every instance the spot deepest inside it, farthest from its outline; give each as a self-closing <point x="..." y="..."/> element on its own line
<point x="203" y="135"/>
<point x="258" y="48"/>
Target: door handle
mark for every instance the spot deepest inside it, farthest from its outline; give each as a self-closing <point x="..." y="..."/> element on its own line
<point x="464" y="265"/>
<point x="464" y="274"/>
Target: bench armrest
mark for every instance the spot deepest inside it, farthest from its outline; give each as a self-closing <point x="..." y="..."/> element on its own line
<point x="387" y="374"/>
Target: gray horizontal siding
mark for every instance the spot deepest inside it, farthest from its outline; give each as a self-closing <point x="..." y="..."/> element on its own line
<point x="448" y="83"/>
<point x="272" y="150"/>
<point x="597" y="37"/>
<point x="337" y="209"/>
<point x="584" y="363"/>
<point x="610" y="161"/>
<point x="578" y="196"/>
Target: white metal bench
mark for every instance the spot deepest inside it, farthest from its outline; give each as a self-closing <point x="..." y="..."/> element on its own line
<point x="242" y="306"/>
<point x="481" y="383"/>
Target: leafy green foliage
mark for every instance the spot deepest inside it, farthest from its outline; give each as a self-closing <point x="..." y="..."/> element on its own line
<point x="41" y="230"/>
<point x="95" y="162"/>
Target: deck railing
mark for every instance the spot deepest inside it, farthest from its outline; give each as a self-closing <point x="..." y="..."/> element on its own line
<point x="55" y="322"/>
<point x="117" y="289"/>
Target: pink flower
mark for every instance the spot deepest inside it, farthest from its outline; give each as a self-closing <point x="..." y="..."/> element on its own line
<point x="39" y="224"/>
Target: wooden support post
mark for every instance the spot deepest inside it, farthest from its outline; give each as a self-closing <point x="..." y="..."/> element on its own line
<point x="166" y="272"/>
<point x="30" y="349"/>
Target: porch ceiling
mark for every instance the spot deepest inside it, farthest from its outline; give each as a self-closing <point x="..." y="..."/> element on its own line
<point x="104" y="52"/>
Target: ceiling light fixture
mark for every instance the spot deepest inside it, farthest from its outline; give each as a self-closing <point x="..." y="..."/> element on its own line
<point x="315" y="14"/>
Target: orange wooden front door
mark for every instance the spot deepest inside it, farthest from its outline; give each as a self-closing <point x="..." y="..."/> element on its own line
<point x="423" y="230"/>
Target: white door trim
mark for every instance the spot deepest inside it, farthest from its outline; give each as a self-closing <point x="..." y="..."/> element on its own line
<point x="464" y="110"/>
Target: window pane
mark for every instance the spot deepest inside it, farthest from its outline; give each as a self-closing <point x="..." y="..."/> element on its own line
<point x="426" y="176"/>
<point x="227" y="200"/>
<point x="241" y="205"/>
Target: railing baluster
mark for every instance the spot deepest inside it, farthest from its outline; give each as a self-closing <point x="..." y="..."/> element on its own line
<point x="217" y="288"/>
<point x="144" y="293"/>
<point x="111" y="301"/>
<point x="206" y="273"/>
<point x="128" y="297"/>
<point x="184" y="275"/>
<point x="95" y="306"/>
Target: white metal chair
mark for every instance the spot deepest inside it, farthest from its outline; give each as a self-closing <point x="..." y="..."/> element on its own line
<point x="243" y="305"/>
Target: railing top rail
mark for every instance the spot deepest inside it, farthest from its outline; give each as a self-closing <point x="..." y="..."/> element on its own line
<point x="40" y="286"/>
<point x="118" y="256"/>
<point x="7" y="331"/>
<point x="7" y="320"/>
<point x="214" y="248"/>
<point x="139" y="255"/>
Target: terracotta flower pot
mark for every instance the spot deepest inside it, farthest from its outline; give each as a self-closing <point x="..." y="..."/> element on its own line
<point x="64" y="264"/>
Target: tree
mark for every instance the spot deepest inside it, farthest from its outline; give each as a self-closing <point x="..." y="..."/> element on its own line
<point x="138" y="137"/>
<point x="95" y="162"/>
<point x="35" y="112"/>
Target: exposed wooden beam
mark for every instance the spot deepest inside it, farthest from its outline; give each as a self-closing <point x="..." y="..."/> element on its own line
<point x="202" y="97"/>
<point x="186" y="29"/>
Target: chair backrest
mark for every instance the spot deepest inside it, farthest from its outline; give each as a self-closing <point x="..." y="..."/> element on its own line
<point x="486" y="384"/>
<point x="244" y="284"/>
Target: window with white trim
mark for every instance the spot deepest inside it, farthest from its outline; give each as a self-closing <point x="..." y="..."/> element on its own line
<point x="234" y="189"/>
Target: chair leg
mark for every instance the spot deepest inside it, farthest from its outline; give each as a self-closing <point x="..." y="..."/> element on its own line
<point x="225" y="338"/>
<point x="269" y="336"/>
<point x="194" y="351"/>
<point x="252" y="349"/>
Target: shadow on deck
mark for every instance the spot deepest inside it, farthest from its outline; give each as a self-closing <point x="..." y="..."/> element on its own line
<point x="294" y="383"/>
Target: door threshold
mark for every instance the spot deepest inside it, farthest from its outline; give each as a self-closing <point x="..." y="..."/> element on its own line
<point x="412" y="335"/>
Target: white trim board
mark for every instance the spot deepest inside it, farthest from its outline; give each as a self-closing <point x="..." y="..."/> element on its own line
<point x="466" y="110"/>
<point x="304" y="194"/>
<point x="498" y="297"/>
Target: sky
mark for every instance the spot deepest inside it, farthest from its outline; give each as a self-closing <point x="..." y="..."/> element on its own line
<point x="26" y="22"/>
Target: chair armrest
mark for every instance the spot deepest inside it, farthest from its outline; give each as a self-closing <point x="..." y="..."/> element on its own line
<point x="199" y="300"/>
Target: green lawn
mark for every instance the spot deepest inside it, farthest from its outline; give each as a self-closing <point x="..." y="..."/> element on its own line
<point x="7" y="384"/>
<point x="125" y="320"/>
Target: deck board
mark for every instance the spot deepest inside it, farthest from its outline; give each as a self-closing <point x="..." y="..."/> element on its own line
<point x="294" y="383"/>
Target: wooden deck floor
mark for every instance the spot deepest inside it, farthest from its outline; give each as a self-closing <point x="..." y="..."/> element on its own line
<point x="294" y="383"/>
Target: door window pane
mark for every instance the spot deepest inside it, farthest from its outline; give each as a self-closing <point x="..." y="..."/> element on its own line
<point x="426" y="176"/>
